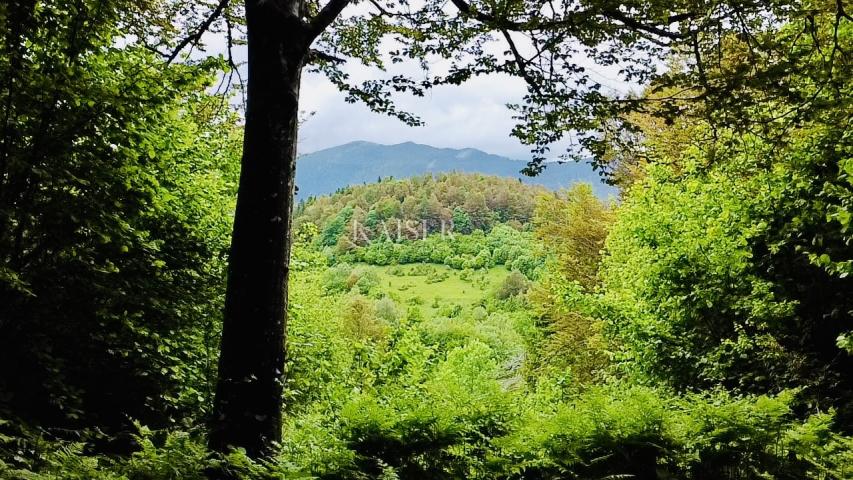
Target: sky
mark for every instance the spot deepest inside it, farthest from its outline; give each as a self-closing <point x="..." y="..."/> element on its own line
<point x="471" y="115"/>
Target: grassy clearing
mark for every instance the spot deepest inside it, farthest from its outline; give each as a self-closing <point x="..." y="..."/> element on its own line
<point x="429" y="285"/>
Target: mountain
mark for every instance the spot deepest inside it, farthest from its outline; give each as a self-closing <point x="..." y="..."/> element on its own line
<point x="325" y="171"/>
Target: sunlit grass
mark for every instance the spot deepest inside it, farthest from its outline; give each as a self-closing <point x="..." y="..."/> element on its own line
<point x="430" y="285"/>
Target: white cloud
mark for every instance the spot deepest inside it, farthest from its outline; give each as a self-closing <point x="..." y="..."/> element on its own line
<point x="471" y="115"/>
<point x="474" y="114"/>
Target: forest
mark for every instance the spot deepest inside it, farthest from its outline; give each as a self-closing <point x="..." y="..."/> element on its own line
<point x="169" y="311"/>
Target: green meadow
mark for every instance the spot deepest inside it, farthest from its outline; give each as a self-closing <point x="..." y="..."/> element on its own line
<point x="434" y="285"/>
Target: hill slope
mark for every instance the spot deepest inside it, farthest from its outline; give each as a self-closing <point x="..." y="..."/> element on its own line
<point x="325" y="171"/>
<point x="468" y="201"/>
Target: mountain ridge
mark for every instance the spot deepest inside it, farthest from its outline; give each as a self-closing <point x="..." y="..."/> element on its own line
<point x="323" y="172"/>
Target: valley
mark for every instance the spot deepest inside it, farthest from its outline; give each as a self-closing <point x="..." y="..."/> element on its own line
<point x="188" y="292"/>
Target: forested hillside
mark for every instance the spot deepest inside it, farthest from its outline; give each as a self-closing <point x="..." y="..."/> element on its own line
<point x="443" y="326"/>
<point x="459" y="202"/>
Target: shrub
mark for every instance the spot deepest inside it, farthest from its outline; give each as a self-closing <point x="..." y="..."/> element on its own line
<point x="437" y="276"/>
<point x="512" y="285"/>
<point x="367" y="281"/>
<point x="387" y="310"/>
<point x="360" y="320"/>
<point x="336" y="278"/>
<point x="452" y="310"/>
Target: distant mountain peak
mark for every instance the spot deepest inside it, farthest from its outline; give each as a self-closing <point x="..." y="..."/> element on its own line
<point x="325" y="171"/>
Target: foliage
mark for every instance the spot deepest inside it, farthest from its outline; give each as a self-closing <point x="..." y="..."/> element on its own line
<point x="699" y="329"/>
<point x="572" y="227"/>
<point x="448" y="398"/>
<point x="360" y="320"/>
<point x="573" y="339"/>
<point x="700" y="276"/>
<point x="514" y="284"/>
<point x="388" y="311"/>
<point x="631" y="430"/>
<point x="503" y="245"/>
<point x="158" y="455"/>
<point x="335" y="227"/>
<point x="396" y="210"/>
<point x="116" y="186"/>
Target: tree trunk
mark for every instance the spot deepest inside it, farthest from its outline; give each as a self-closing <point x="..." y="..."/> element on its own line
<point x="247" y="409"/>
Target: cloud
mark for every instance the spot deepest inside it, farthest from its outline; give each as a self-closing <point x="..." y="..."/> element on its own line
<point x="474" y="114"/>
<point x="471" y="115"/>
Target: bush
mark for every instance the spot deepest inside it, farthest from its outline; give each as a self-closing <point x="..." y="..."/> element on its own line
<point x="512" y="285"/>
<point x="159" y="455"/>
<point x="452" y="310"/>
<point x="360" y="320"/>
<point x="437" y="276"/>
<point x="618" y="430"/>
<point x="336" y="278"/>
<point x="367" y="281"/>
<point x="387" y="310"/>
<point x="422" y="432"/>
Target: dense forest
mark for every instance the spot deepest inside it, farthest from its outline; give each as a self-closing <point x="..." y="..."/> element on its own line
<point x="168" y="312"/>
<point x="462" y="202"/>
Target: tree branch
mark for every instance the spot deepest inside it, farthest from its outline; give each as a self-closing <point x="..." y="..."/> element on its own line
<point x="326" y="16"/>
<point x="388" y="13"/>
<point x="637" y="25"/>
<point x="839" y="4"/>
<point x="196" y="36"/>
<point x="233" y="65"/>
<point x="504" y="24"/>
<point x="466" y="9"/>
<point x="520" y="62"/>
<point x="315" y="55"/>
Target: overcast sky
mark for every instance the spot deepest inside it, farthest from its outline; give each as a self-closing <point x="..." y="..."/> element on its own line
<point x="472" y="115"/>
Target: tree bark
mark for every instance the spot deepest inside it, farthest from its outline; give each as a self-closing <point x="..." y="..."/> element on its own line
<point x="248" y="403"/>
